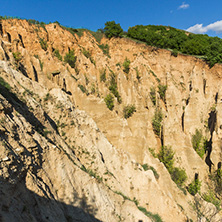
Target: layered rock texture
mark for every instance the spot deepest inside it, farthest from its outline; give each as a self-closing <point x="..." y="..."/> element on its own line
<point x="64" y="156"/>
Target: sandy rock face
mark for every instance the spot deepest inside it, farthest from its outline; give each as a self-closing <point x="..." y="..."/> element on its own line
<point x="72" y="158"/>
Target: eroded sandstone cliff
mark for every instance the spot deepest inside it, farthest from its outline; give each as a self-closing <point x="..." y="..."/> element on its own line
<point x="66" y="157"/>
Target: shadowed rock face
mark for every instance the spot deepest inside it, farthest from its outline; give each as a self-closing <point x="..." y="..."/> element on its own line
<point x="20" y="204"/>
<point x="67" y="157"/>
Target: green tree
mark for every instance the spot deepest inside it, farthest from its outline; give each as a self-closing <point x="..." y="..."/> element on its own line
<point x="113" y="30"/>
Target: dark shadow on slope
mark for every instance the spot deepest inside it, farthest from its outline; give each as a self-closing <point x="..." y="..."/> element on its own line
<point x="21" y="204"/>
<point x="21" y="108"/>
<point x="211" y="125"/>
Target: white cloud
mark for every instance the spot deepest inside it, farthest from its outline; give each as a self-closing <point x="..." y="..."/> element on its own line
<point x="199" y="28"/>
<point x="184" y="6"/>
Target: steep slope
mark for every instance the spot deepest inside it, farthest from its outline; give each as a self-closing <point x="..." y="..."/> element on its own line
<point x="72" y="158"/>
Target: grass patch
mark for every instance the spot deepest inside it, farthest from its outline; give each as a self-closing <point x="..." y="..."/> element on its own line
<point x="154" y="217"/>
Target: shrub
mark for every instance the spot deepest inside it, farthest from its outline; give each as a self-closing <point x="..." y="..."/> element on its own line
<point x="57" y="54"/>
<point x="194" y="187"/>
<point x="17" y="56"/>
<point x="166" y="156"/>
<point x="128" y="111"/>
<point x="126" y="65"/>
<point x="112" y="29"/>
<point x="103" y="75"/>
<point x="153" y="95"/>
<point x="199" y="143"/>
<point x="43" y="44"/>
<point x="137" y="74"/>
<point x="87" y="54"/>
<point x="179" y="176"/>
<point x="70" y="58"/>
<point x="113" y="87"/>
<point x="162" y="91"/>
<point x="109" y="100"/>
<point x="156" y="121"/>
<point x="105" y="49"/>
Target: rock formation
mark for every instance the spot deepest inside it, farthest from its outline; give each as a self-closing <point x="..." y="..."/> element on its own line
<point x="66" y="157"/>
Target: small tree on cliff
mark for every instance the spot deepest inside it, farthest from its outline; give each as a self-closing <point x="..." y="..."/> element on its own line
<point x="113" y="30"/>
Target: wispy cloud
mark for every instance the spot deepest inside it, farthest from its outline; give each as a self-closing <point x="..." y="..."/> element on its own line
<point x="184" y="6"/>
<point x="200" y="29"/>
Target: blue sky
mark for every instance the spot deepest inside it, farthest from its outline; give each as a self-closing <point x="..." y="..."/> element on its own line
<point x="199" y="16"/>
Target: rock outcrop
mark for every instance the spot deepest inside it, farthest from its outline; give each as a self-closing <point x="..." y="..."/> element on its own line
<point x="66" y="157"/>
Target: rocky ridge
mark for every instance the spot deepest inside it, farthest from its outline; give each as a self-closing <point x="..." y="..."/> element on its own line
<point x="66" y="157"/>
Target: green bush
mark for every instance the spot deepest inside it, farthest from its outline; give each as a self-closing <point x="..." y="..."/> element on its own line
<point x="57" y="54"/>
<point x="113" y="30"/>
<point x="105" y="49"/>
<point x="166" y="156"/>
<point x="199" y="143"/>
<point x="153" y="95"/>
<point x="43" y="44"/>
<point x="156" y="121"/>
<point x="162" y="91"/>
<point x="207" y="48"/>
<point x="70" y="58"/>
<point x="126" y="66"/>
<point x="109" y="100"/>
<point x="113" y="87"/>
<point x="179" y="176"/>
<point x="194" y="187"/>
<point x="128" y="111"/>
<point x="17" y="56"/>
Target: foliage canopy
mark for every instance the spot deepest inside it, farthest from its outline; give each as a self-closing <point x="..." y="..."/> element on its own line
<point x="112" y="29"/>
